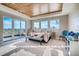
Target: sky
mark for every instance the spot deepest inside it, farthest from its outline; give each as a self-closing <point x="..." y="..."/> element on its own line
<point x="7" y="23"/>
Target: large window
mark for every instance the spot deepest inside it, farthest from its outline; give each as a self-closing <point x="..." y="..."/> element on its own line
<point x="13" y="28"/>
<point x="16" y="27"/>
<point x="44" y="24"/>
<point x="23" y="26"/>
<point x="19" y="27"/>
<point x="16" y="24"/>
<point x="7" y="23"/>
<point x="7" y="26"/>
<point x="54" y="24"/>
<point x="35" y="24"/>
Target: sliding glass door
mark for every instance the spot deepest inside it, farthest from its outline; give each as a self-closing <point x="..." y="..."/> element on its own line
<point x="23" y="26"/>
<point x="17" y="28"/>
<point x="13" y="28"/>
<point x="7" y="28"/>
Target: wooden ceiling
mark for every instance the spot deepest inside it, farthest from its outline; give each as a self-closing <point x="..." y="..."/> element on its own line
<point x="25" y="8"/>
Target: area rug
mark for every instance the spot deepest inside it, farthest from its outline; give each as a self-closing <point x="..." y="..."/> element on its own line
<point x="37" y="51"/>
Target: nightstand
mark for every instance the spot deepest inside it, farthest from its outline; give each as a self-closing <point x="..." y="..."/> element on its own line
<point x="53" y="35"/>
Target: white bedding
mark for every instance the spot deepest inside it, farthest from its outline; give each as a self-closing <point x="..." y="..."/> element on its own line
<point x="37" y="36"/>
<point x="46" y="36"/>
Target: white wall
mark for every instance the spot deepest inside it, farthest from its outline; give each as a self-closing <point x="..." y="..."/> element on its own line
<point x="1" y="30"/>
<point x="74" y="26"/>
<point x="74" y="19"/>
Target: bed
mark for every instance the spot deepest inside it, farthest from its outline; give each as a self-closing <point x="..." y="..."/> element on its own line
<point x="42" y="36"/>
